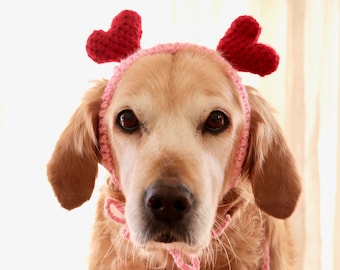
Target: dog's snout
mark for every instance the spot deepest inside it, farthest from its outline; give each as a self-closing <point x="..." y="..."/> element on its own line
<point x="168" y="202"/>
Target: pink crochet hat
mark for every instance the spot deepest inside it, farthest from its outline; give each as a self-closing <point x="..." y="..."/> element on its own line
<point x="237" y="50"/>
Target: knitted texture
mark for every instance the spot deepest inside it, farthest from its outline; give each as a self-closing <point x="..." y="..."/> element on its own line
<point x="239" y="46"/>
<point x="122" y="39"/>
<point x="178" y="258"/>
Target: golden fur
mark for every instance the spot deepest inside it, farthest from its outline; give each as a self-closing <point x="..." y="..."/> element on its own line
<point x="172" y="96"/>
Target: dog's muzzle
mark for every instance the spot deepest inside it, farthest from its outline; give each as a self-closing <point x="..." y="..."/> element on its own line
<point x="168" y="209"/>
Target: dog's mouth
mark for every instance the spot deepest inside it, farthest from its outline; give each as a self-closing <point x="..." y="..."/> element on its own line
<point x="174" y="236"/>
<point x="166" y="237"/>
<point x="162" y="233"/>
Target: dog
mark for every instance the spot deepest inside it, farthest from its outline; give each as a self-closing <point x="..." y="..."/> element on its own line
<point x="199" y="177"/>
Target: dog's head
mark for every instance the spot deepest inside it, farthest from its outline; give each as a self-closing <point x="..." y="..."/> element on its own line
<point x="172" y="128"/>
<point x="175" y="121"/>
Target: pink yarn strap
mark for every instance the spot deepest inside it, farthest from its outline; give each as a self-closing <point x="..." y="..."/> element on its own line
<point x="243" y="143"/>
<point x="119" y="206"/>
<point x="178" y="259"/>
<point x="266" y="256"/>
<point x="219" y="231"/>
<point x="126" y="232"/>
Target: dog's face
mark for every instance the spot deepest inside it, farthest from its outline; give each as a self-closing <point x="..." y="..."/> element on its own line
<point x="174" y="124"/>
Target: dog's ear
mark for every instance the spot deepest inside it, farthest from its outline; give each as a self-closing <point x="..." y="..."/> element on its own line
<point x="270" y="164"/>
<point x="73" y="167"/>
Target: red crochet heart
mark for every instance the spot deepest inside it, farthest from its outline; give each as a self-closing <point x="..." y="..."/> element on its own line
<point x="121" y="40"/>
<point x="239" y="46"/>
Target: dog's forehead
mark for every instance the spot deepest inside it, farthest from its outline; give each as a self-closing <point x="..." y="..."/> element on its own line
<point x="172" y="79"/>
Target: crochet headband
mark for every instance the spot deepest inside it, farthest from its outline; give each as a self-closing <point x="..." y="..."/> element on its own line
<point x="237" y="50"/>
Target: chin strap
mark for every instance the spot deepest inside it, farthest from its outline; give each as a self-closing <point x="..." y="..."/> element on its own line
<point x="222" y="227"/>
<point x="266" y="257"/>
<point x="120" y="207"/>
<point x="178" y="259"/>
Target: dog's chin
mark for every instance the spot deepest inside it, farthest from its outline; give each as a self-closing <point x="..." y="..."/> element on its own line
<point x="168" y="237"/>
<point x="169" y="241"/>
<point x="155" y="247"/>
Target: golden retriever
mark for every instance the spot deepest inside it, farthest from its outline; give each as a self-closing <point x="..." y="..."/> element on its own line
<point x="174" y="124"/>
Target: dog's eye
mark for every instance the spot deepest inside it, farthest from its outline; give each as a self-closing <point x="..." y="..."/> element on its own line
<point x="216" y="122"/>
<point x="127" y="121"/>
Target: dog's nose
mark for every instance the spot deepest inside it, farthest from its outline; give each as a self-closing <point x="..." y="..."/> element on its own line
<point x="168" y="202"/>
